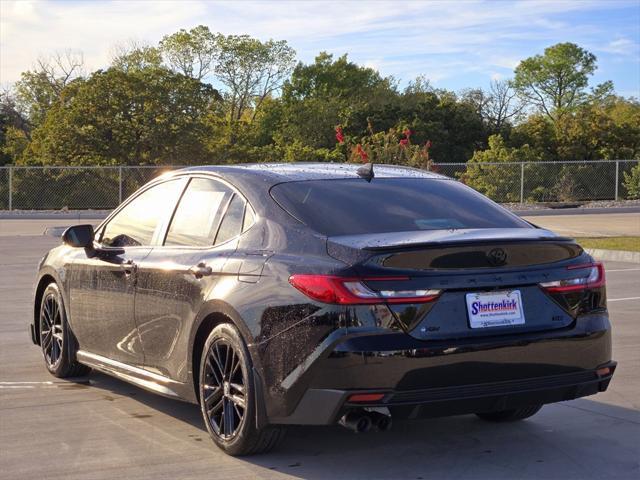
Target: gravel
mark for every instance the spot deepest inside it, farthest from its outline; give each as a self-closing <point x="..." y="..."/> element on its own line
<point x="581" y="205"/>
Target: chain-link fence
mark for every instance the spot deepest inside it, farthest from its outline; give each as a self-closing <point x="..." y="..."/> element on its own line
<point x="533" y="182"/>
<point x="103" y="188"/>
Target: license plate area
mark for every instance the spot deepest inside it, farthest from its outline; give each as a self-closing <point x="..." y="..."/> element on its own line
<point x="495" y="309"/>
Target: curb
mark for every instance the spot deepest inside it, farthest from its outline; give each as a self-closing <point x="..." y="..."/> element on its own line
<point x="614" y="255"/>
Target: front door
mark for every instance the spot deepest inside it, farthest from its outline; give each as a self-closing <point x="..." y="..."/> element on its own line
<point x="102" y="287"/>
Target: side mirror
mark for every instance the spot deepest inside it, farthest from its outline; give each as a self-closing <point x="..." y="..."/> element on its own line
<point x="79" y="236"/>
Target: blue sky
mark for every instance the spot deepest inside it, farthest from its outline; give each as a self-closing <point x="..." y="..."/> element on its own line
<point x="454" y="44"/>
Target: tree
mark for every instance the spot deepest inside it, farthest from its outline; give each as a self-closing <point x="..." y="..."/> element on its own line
<point x="632" y="183"/>
<point x="14" y="129"/>
<point x="555" y="82"/>
<point x="539" y="133"/>
<point x="134" y="55"/>
<point x="251" y="70"/>
<point x="331" y="91"/>
<point x="495" y="172"/>
<point x="39" y="88"/>
<point x="144" y="117"/>
<point x="498" y="107"/>
<point x="601" y="131"/>
<point x="192" y="53"/>
<point x="454" y="127"/>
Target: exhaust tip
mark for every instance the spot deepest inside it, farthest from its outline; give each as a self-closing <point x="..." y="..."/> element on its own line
<point x="363" y="425"/>
<point x="356" y="421"/>
<point x="381" y="421"/>
<point x="384" y="424"/>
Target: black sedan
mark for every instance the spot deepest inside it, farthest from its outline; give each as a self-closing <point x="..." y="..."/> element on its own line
<point x="316" y="294"/>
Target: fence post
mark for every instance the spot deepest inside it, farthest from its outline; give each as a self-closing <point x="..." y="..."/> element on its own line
<point x="522" y="182"/>
<point x="119" y="184"/>
<point x="617" y="179"/>
<point x="10" y="188"/>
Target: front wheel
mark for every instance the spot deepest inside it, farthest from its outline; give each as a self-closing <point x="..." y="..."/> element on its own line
<point x="510" y="415"/>
<point x="55" y="336"/>
<point x="227" y="396"/>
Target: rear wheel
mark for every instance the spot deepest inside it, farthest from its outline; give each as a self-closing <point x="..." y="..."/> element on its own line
<point x="227" y="396"/>
<point x="55" y="336"/>
<point x="510" y="415"/>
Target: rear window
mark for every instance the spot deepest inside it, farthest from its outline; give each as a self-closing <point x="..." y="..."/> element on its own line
<point x="354" y="206"/>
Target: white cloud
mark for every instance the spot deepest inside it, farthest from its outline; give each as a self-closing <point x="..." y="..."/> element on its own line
<point x="622" y="46"/>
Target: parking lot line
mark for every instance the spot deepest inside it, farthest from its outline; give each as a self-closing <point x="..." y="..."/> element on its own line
<point x="622" y="299"/>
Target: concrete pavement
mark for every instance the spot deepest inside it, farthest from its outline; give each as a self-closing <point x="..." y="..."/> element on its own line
<point x="104" y="428"/>
<point x="590" y="225"/>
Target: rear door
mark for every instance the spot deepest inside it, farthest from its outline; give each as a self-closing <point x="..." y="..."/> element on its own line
<point x="102" y="287"/>
<point x="179" y="275"/>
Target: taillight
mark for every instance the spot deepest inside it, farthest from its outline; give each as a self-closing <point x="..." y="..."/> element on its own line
<point x="353" y="291"/>
<point x="594" y="278"/>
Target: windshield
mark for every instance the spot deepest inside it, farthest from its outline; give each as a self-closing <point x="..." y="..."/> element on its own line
<point x="354" y="206"/>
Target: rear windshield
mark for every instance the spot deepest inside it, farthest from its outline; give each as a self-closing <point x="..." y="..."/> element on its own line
<point x="354" y="206"/>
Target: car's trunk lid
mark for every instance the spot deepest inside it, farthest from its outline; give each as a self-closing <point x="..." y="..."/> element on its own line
<point x="454" y="249"/>
<point x="460" y="263"/>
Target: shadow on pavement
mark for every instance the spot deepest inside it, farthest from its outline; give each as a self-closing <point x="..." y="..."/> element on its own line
<point x="579" y="439"/>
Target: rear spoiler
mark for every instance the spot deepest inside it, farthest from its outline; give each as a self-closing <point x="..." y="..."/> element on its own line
<point x="399" y="240"/>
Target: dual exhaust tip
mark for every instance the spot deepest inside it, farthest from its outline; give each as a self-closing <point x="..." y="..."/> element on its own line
<point x="362" y="421"/>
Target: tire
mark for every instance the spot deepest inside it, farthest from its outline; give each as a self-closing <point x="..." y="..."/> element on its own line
<point x="227" y="396"/>
<point x="56" y="336"/>
<point x="510" y="415"/>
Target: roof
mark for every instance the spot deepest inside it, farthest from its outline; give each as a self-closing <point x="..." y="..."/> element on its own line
<point x="283" y="172"/>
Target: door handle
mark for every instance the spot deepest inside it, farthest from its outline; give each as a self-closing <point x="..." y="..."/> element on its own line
<point x="201" y="270"/>
<point x="128" y="267"/>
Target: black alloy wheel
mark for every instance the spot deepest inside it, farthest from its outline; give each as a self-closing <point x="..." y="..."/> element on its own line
<point x="56" y="338"/>
<point x="228" y="397"/>
<point x="51" y="331"/>
<point x="225" y="390"/>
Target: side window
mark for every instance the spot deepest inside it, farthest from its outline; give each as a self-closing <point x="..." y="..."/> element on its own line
<point x="196" y="219"/>
<point x="231" y="225"/>
<point x="137" y="222"/>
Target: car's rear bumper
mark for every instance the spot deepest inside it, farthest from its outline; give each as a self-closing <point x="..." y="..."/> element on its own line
<point x="454" y="377"/>
<point x="325" y="406"/>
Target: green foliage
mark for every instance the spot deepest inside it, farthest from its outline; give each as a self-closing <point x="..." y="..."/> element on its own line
<point x="329" y="92"/>
<point x="38" y="89"/>
<point x="14" y="129"/>
<point x="74" y="188"/>
<point x="191" y="52"/>
<point x="155" y="105"/>
<point x="608" y="130"/>
<point x="251" y="70"/>
<point x="495" y="172"/>
<point x="136" y="57"/>
<point x="632" y="183"/>
<point x="338" y="79"/>
<point x="149" y="116"/>
<point x="14" y="143"/>
<point x="556" y="81"/>
<point x="393" y="147"/>
<point x="601" y="131"/>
